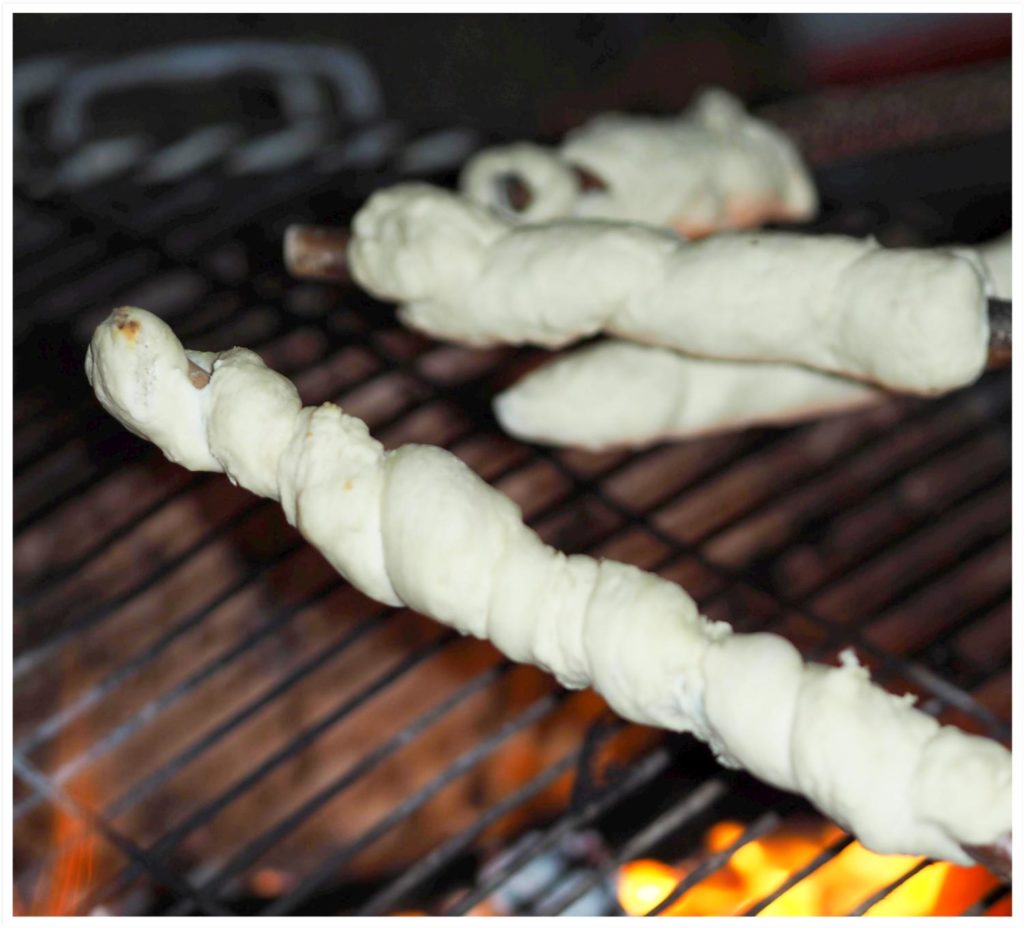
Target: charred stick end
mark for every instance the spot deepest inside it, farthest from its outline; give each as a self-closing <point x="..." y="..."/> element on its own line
<point x="588" y="180"/>
<point x="514" y="192"/>
<point x="317" y="253"/>
<point x="997" y="856"/>
<point x="1000" y="338"/>
<point x="516" y="195"/>
<point x="197" y="375"/>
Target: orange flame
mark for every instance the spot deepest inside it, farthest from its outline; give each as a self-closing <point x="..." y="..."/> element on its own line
<point x="760" y="867"/>
<point x="64" y="885"/>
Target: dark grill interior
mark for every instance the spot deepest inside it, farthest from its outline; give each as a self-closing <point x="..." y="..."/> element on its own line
<point x="209" y="720"/>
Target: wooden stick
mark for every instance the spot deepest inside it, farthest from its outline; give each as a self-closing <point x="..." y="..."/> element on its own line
<point x="317" y="253"/>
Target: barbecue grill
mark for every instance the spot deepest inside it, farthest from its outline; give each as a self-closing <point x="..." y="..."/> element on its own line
<point x="208" y="720"/>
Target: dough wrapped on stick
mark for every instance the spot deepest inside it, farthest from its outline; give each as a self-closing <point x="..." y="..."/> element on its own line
<point x="909" y="320"/>
<point x="710" y="168"/>
<point x="622" y="394"/>
<point x="997" y="258"/>
<point x="416" y="526"/>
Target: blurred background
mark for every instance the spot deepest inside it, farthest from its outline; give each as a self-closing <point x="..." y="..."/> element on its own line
<point x="530" y="75"/>
<point x="208" y="719"/>
<point x="527" y="75"/>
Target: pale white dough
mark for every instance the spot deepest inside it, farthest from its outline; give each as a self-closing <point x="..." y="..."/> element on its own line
<point x="997" y="256"/>
<point x="617" y="393"/>
<point x="712" y="167"/>
<point x="417" y="526"/>
<point x="909" y="320"/>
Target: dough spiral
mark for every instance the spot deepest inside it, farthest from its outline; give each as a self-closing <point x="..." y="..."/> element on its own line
<point x="912" y="320"/>
<point x="415" y="526"/>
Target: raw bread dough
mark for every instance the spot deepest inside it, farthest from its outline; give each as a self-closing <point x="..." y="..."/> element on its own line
<point x="997" y="257"/>
<point x="712" y="167"/>
<point x="417" y="526"/>
<point x="617" y="393"/>
<point x="909" y="320"/>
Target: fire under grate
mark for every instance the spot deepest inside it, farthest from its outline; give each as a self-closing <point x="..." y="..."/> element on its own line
<point x="208" y="720"/>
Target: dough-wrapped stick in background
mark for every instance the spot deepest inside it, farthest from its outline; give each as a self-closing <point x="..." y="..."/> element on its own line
<point x="713" y="167"/>
<point x="911" y="320"/>
<point x="619" y="393"/>
<point x="622" y="394"/>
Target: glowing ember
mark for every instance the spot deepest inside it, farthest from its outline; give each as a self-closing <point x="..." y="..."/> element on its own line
<point x="760" y="867"/>
<point x="644" y="883"/>
<point x="270" y="883"/>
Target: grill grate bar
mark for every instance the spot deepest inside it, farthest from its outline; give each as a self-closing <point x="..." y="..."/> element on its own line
<point x="762" y="825"/>
<point x="994" y="895"/>
<point x="639" y="773"/>
<point x="166" y="241"/>
<point x="30" y="660"/>
<point x="71" y="568"/>
<point x="101" y="427"/>
<point x="988" y="539"/>
<point x="918" y="528"/>
<point x="144" y="716"/>
<point x="388" y="898"/>
<point x="784" y="492"/>
<point x="290" y="749"/>
<point x="878" y="896"/>
<point x="830" y="852"/>
<point x="915" y="530"/>
<point x="936" y="651"/>
<point x="925" y="526"/>
<point x="86" y="482"/>
<point x="64" y="716"/>
<point x="262" y="843"/>
<point x="801" y="482"/>
<point x="147" y="785"/>
<point x="209" y="739"/>
<point x="685" y="810"/>
<point x="957" y="697"/>
<point x="140" y="858"/>
<point x="465" y="762"/>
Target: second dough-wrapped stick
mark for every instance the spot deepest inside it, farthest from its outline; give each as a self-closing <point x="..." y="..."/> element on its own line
<point x="416" y="526"/>
<point x="909" y="320"/>
<point x="622" y="394"/>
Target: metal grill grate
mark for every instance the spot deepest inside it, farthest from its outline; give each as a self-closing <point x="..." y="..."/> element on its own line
<point x="197" y="694"/>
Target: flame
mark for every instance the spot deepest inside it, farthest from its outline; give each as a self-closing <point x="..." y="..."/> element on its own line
<point x="73" y="870"/>
<point x="644" y="883"/>
<point x="760" y="867"/>
<point x="63" y="886"/>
